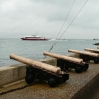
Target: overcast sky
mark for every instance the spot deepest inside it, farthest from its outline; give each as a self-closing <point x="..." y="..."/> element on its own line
<point x="20" y="18"/>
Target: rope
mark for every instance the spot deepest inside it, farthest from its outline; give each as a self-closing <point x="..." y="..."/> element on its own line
<point x="69" y="25"/>
<point x="62" y="26"/>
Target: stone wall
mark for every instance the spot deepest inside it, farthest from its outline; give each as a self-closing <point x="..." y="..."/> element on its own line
<point x="12" y="73"/>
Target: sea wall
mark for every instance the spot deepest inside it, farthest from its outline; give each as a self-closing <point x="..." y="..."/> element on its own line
<point x="12" y="73"/>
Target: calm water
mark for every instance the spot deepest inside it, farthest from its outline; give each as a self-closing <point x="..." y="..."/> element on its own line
<point x="34" y="49"/>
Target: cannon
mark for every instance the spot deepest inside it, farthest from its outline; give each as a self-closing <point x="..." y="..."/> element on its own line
<point x="92" y="50"/>
<point x="66" y="63"/>
<point x="87" y="56"/>
<point x="41" y="71"/>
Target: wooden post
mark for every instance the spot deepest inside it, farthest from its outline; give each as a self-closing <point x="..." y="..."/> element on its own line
<point x="37" y="64"/>
<point x="72" y="59"/>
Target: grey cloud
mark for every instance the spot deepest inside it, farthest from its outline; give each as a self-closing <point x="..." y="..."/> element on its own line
<point x="25" y="17"/>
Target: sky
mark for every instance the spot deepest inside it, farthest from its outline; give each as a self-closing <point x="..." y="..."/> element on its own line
<point x="19" y="18"/>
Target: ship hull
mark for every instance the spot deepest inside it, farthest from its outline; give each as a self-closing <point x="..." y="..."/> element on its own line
<point x="40" y="39"/>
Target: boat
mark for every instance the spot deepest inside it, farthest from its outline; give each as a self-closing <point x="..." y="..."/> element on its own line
<point x="95" y="39"/>
<point x="34" y="37"/>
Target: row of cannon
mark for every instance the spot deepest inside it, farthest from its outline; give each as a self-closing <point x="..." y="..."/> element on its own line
<point x="57" y="74"/>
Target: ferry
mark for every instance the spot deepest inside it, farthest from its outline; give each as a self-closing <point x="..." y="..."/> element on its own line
<point x="34" y="37"/>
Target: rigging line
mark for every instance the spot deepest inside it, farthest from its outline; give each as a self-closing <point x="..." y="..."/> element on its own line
<point x="71" y="22"/>
<point x="62" y="25"/>
<point x="65" y="18"/>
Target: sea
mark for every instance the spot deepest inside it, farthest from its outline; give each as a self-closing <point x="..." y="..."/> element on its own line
<point x="34" y="49"/>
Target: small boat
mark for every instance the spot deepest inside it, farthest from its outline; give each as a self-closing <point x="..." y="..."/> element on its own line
<point x="34" y="37"/>
<point x="95" y="39"/>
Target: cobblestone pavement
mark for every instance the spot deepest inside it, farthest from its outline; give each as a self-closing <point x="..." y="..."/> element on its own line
<point x="41" y="90"/>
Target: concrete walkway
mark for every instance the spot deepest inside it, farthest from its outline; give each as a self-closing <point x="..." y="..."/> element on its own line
<point x="79" y="86"/>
